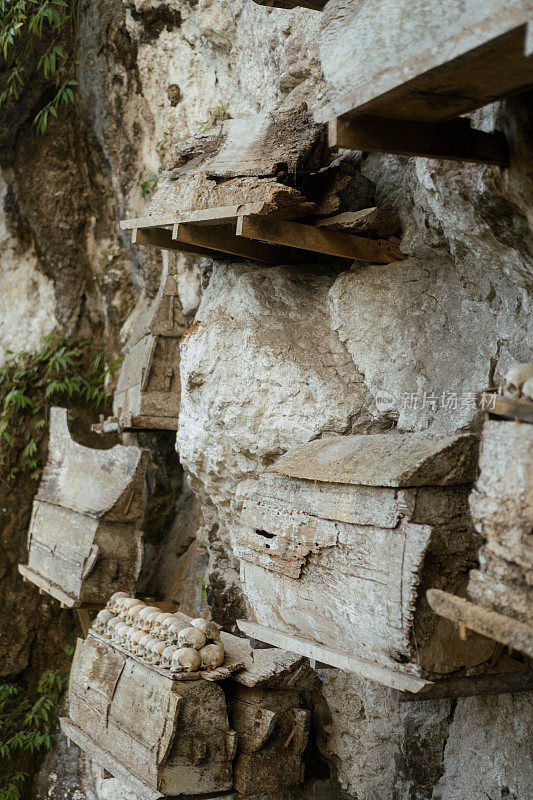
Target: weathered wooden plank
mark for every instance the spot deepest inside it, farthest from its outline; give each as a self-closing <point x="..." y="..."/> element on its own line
<point x="318" y="240"/>
<point x="425" y="60"/>
<point x="314" y="5"/>
<point x="204" y="216"/>
<point x="506" y="407"/>
<point x="474" y="686"/>
<point x="483" y="620"/>
<point x="382" y="221"/>
<point x="455" y="140"/>
<point x="412" y="459"/>
<point x="395" y="678"/>
<point x="47" y="586"/>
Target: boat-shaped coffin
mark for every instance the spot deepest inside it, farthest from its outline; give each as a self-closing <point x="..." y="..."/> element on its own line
<point x="340" y="541"/>
<point x="83" y="540"/>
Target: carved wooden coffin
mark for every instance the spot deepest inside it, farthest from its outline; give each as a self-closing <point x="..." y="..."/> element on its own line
<point x="340" y="541"/>
<point x="502" y="509"/>
<point x="148" y="390"/>
<point x="168" y="733"/>
<point x="253" y="160"/>
<point x="425" y="60"/>
<point x="83" y="544"/>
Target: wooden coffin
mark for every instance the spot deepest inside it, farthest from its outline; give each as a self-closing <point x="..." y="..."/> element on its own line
<point x="169" y="734"/>
<point x="424" y="62"/>
<point x="83" y="544"/>
<point x="315" y="5"/>
<point x="340" y="541"/>
<point x="502" y="509"/>
<point x="148" y="390"/>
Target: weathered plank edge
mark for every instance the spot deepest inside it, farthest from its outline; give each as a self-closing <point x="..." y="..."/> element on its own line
<point x="367" y="669"/>
<point x="47" y="587"/>
<point x="102" y="757"/>
<point x="213" y="215"/>
<point x="506" y="407"/>
<point x="147" y="422"/>
<point x="472" y="686"/>
<point x="483" y="620"/>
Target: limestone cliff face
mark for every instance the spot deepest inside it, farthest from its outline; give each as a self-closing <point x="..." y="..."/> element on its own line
<point x="280" y="355"/>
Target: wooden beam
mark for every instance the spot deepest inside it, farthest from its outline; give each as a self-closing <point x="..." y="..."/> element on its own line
<point x="454" y="140"/>
<point x="485" y="621"/>
<point x="47" y="587"/>
<point x="318" y="240"/>
<point x="201" y="216"/>
<point x="85" y="620"/>
<point x="506" y="407"/>
<point x="217" y="242"/>
<point x="396" y="679"/>
<point x="475" y="686"/>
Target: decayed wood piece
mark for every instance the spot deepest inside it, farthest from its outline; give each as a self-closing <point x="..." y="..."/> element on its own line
<point x="165" y="734"/>
<point x="315" y="5"/>
<point x="148" y="390"/>
<point x="385" y="460"/>
<point x="339" y="548"/>
<point x="381" y="221"/>
<point x="82" y="540"/>
<point x="516" y="635"/>
<point x="506" y="407"/>
<point x="422" y="60"/>
<point x="250" y="160"/>
<point x="502" y="510"/>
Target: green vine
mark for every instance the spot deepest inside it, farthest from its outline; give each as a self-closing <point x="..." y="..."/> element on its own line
<point x="34" y="49"/>
<point x="61" y="370"/>
<point x="26" y="725"/>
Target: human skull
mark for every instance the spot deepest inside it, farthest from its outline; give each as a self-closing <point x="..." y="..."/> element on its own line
<point x="133" y="612"/>
<point x="141" y="644"/>
<point x="212" y="655"/>
<point x="171" y="619"/>
<point x="527" y="390"/>
<point x="112" y="603"/>
<point x="134" y="637"/>
<point x="186" y="659"/>
<point x="191" y="637"/>
<point x="150" y="620"/>
<point x="122" y="634"/>
<point x="146" y="653"/>
<point x="210" y="629"/>
<point x="154" y="650"/>
<point x="111" y="626"/>
<point x="158" y="624"/>
<point x="174" y="629"/>
<point x="515" y="380"/>
<point x="143" y="615"/>
<point x="101" y="620"/>
<point x="125" y="605"/>
<point x="166" y="655"/>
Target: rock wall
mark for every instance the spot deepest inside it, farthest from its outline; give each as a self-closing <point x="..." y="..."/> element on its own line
<point x="278" y="356"/>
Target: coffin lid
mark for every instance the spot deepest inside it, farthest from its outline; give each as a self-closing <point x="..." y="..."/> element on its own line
<point x="84" y="479"/>
<point x="399" y="460"/>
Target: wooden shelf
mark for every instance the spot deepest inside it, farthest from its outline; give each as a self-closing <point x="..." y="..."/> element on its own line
<point x="506" y="407"/>
<point x="238" y="231"/>
<point x="396" y="679"/>
<point x="511" y="632"/>
<point x="409" y="108"/>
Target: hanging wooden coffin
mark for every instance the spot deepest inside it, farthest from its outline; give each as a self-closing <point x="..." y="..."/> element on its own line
<point x="168" y="733"/>
<point x="83" y="544"/>
<point x="339" y="543"/>
<point x="502" y="509"/>
<point x="417" y="64"/>
<point x="148" y="390"/>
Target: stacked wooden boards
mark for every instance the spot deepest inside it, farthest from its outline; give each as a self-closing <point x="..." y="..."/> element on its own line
<point x="165" y="734"/>
<point x="148" y="389"/>
<point x="501" y="588"/>
<point x="341" y="540"/>
<point x="237" y="190"/>
<point x="83" y="542"/>
<point x="399" y="72"/>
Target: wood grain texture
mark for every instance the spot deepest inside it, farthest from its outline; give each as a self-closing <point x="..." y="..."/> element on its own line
<point x="422" y="60"/>
<point x="315" y="5"/>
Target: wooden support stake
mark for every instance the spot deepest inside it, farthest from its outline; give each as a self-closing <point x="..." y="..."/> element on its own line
<point x="482" y="620"/>
<point x="454" y="139"/>
<point x="216" y="242"/>
<point x="478" y="685"/>
<point x="318" y="240"/>
<point x="85" y="620"/>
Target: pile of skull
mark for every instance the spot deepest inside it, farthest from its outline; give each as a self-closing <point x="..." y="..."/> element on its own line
<point x="518" y="383"/>
<point x="160" y="638"/>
